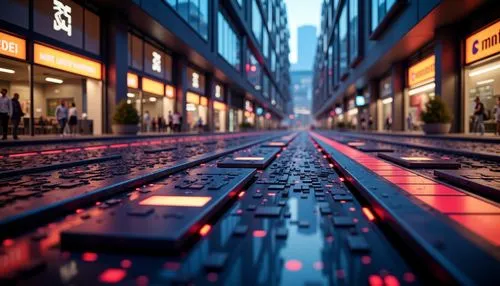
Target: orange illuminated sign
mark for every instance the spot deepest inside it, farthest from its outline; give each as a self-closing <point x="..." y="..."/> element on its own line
<point x="192" y="98"/>
<point x="422" y="72"/>
<point x="203" y="101"/>
<point x="219" y="106"/>
<point x="12" y="46"/>
<point x="483" y="44"/>
<point x="132" y="80"/>
<point x="176" y="201"/>
<point x="60" y="60"/>
<point x="152" y="86"/>
<point x="169" y="91"/>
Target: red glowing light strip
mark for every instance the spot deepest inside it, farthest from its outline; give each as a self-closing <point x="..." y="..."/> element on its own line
<point x="91" y="148"/>
<point x="22" y="154"/>
<point x="51" y="152"/>
<point x="241" y="194"/>
<point x="72" y="150"/>
<point x="437" y="201"/>
<point x="205" y="230"/>
<point x="118" y="145"/>
<point x="368" y="214"/>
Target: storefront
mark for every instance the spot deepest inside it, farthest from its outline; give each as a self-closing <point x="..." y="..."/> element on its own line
<point x="149" y="84"/>
<point x="362" y="101"/>
<point x="384" y="104"/>
<point x="196" y="102"/>
<point x="52" y="75"/>
<point x="249" y="117"/>
<point x="482" y="75"/>
<point x="220" y="109"/>
<point x="351" y="116"/>
<point x="420" y="89"/>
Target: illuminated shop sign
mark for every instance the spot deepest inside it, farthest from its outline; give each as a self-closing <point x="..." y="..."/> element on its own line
<point x="218" y="91"/>
<point x="12" y="46"/>
<point x="132" y="80"/>
<point x="153" y="86"/>
<point x="62" y="17"/>
<point x="259" y="111"/>
<point x="248" y="106"/>
<point x="483" y="44"/>
<point x="196" y="81"/>
<point x="156" y="62"/>
<point x="423" y="71"/>
<point x="64" y="61"/>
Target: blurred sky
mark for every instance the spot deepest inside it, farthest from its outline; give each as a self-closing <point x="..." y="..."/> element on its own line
<point x="301" y="12"/>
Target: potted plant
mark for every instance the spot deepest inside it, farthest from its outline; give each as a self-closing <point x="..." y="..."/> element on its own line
<point x="245" y="126"/>
<point x="436" y="117"/>
<point x="125" y="119"/>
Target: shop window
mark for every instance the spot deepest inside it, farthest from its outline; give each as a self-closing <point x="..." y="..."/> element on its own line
<point x="14" y="78"/>
<point x="483" y="82"/>
<point x="53" y="87"/>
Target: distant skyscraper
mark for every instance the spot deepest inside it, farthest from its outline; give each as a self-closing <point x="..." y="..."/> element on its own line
<point x="302" y="96"/>
<point x="306" y="44"/>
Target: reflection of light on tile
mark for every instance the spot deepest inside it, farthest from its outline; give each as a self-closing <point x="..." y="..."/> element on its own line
<point x="176" y="201"/>
<point x="112" y="275"/>
<point x="354" y="144"/>
<point x="279" y="144"/>
<point x="249" y="158"/>
<point x="368" y="214"/>
<point x="205" y="230"/>
<point x="259" y="233"/>
<point x="416" y="158"/>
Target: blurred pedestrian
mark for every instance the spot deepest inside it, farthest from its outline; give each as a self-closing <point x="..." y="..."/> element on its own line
<point x="497" y="116"/>
<point x="199" y="125"/>
<point x="73" y="119"/>
<point x="409" y="121"/>
<point x="478" y="116"/>
<point x="176" y="119"/>
<point x="370" y="123"/>
<point x="62" y="117"/>
<point x="17" y="114"/>
<point x="5" y="113"/>
<point x="147" y="121"/>
<point x="170" y="121"/>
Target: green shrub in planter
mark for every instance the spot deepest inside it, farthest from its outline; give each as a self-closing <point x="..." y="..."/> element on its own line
<point x="246" y="126"/>
<point x="436" y="111"/>
<point x="125" y="114"/>
<point x="436" y="116"/>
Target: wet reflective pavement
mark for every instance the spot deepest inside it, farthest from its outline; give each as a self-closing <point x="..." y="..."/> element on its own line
<point x="283" y="208"/>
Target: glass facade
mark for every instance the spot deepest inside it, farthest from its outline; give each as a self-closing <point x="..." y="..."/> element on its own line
<point x="343" y="65"/>
<point x="256" y="21"/>
<point x="379" y="9"/>
<point x="253" y="71"/>
<point x="353" y="30"/>
<point x="228" y="42"/>
<point x="195" y="12"/>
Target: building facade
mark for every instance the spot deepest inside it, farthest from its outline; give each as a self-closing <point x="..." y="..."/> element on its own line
<point x="302" y="97"/>
<point x="222" y="63"/>
<point x="306" y="44"/>
<point x="379" y="62"/>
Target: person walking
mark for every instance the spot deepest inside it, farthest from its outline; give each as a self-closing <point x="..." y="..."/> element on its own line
<point x="199" y="125"/>
<point x="147" y="121"/>
<point x="497" y="116"/>
<point x="170" y="121"/>
<point x="62" y="117"/>
<point x="478" y="116"/>
<point x="409" y="121"/>
<point x="5" y="113"/>
<point x="17" y="114"/>
<point x="176" y="119"/>
<point x="73" y="119"/>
